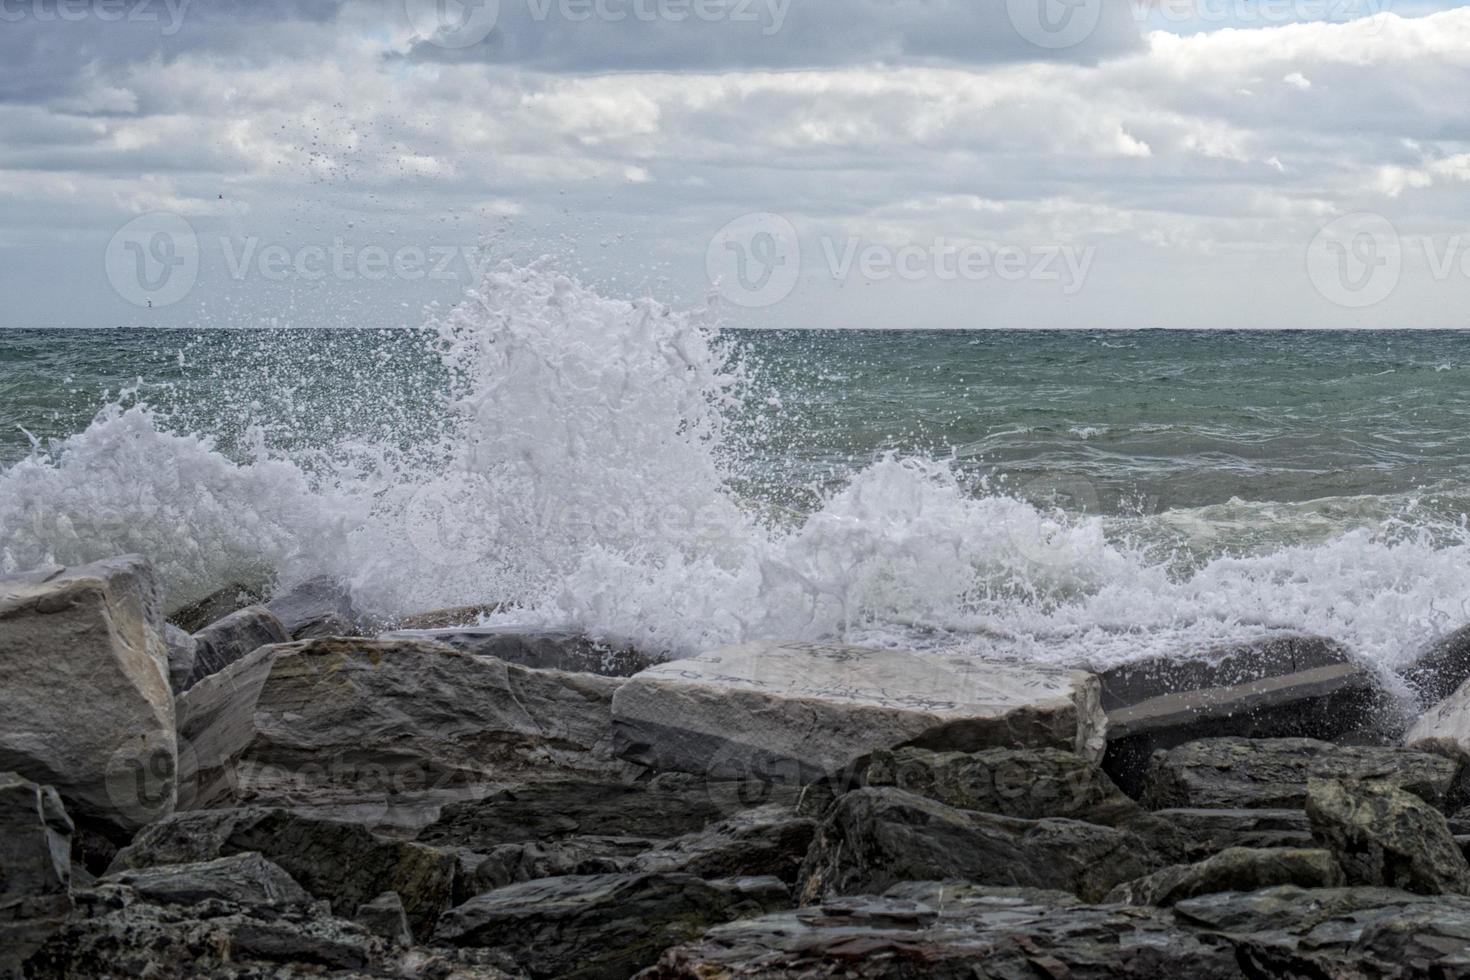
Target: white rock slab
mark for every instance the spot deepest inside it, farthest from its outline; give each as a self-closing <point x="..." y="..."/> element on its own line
<point x="802" y="711"/>
<point x="1447" y="721"/>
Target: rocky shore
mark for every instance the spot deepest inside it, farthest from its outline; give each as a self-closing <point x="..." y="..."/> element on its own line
<point x="274" y="786"/>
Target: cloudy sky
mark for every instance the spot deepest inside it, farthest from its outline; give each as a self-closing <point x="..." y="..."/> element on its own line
<point x="828" y="163"/>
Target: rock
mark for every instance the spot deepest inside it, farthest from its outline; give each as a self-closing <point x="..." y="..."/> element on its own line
<point x="1441" y="668"/>
<point x="316" y="608"/>
<point x="35" y="879"/>
<point x="384" y="917"/>
<point x="602" y="926"/>
<point x="216" y="722"/>
<point x="542" y="649"/>
<point x="952" y="932"/>
<point x="1212" y="831"/>
<point x="236" y="636"/>
<point x="181" y="653"/>
<point x="386" y="732"/>
<point x="509" y="864"/>
<point x="1279" y="687"/>
<point x="1446" y="724"/>
<point x="874" y="838"/>
<point x="85" y="703"/>
<point x="769" y="841"/>
<point x="1236" y="869"/>
<point x="216" y="606"/>
<point x="804" y="712"/>
<point x="1272" y="774"/>
<point x="1382" y="835"/>
<point x="244" y="879"/>
<point x="340" y="862"/>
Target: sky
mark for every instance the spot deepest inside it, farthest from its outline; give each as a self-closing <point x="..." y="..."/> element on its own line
<point x="791" y="163"/>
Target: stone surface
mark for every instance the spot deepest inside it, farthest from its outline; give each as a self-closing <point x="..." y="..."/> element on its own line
<point x="386" y="732"/>
<point x="602" y="926"/>
<point x="216" y="606"/>
<point x="316" y="608"/>
<point x="230" y="639"/>
<point x="35" y="879"/>
<point x="542" y="649"/>
<point x="385" y="918"/>
<point x="508" y="864"/>
<point x="1446" y="724"/>
<point x="875" y="838"/>
<point x="85" y="703"/>
<point x="1283" y="686"/>
<point x="1272" y="774"/>
<point x="216" y="721"/>
<point x="767" y="841"/>
<point x="181" y="653"/>
<point x="803" y="712"/>
<point x="1382" y="835"/>
<point x="245" y="879"/>
<point x="1236" y="869"/>
<point x="1441" y="668"/>
<point x="340" y="862"/>
<point x="1212" y="831"/>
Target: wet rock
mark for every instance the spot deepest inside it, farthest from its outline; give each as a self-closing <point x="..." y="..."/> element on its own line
<point x="385" y="918"/>
<point x="1440" y="668"/>
<point x="767" y="841"/>
<point x="803" y="712"/>
<point x="216" y="722"/>
<point x="541" y="649"/>
<point x="1279" y="687"/>
<point x="316" y="608"/>
<point x="1212" y="831"/>
<point x="509" y="864"/>
<point x="1272" y="774"/>
<point x="1447" y="724"/>
<point x="602" y="926"/>
<point x="244" y="879"/>
<point x="874" y="838"/>
<point x="340" y="862"/>
<point x="216" y="606"/>
<point x="181" y="653"/>
<point x="1236" y="869"/>
<point x="85" y="703"/>
<point x="952" y="932"/>
<point x="230" y="639"/>
<point x="35" y="879"/>
<point x="1382" y="835"/>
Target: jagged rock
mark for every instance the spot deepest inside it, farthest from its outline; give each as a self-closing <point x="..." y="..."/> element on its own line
<point x="244" y="879"/>
<point x="1447" y="724"/>
<point x="384" y="917"/>
<point x="230" y="639"/>
<point x="541" y="649"/>
<point x="85" y="703"/>
<point x="602" y="926"/>
<point x="181" y="653"/>
<point x="216" y="606"/>
<point x="509" y="864"/>
<point x="1382" y="835"/>
<point x="874" y="838"/>
<point x="216" y="721"/>
<point x="340" y="862"/>
<point x="316" y="608"/>
<point x="1236" y="869"/>
<point x="1279" y="687"/>
<point x="803" y="712"/>
<point x="1212" y="831"/>
<point x="769" y="841"/>
<point x="1272" y="774"/>
<point x="952" y="932"/>
<point x="1440" y="668"/>
<point x="386" y="732"/>
<point x="35" y="879"/>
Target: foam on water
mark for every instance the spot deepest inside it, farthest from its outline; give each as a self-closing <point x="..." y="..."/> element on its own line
<point x="585" y="476"/>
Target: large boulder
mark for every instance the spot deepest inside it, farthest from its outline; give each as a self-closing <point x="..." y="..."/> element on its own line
<point x="230" y="639"/>
<point x="1278" y="687"/>
<point x="182" y="650"/>
<point x="875" y="838"/>
<point x="216" y="722"/>
<point x="245" y="879"/>
<point x="1236" y="869"/>
<point x="35" y="879"/>
<point x="1446" y="725"/>
<point x="804" y="712"/>
<point x="85" y="702"/>
<point x="544" y="649"/>
<point x="602" y="927"/>
<point x="1272" y="774"/>
<point x="1441" y="668"/>
<point x="1382" y="835"/>
<point x="316" y="608"/>
<point x="1209" y="832"/>
<point x="769" y="841"/>
<point x="216" y="606"/>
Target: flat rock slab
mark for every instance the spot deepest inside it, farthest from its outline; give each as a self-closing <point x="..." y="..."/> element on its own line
<point x="1209" y="832"/>
<point x="245" y="879"/>
<point x="1235" y="869"/>
<point x="802" y="712"/>
<point x="543" y="649"/>
<point x="1448" y="721"/>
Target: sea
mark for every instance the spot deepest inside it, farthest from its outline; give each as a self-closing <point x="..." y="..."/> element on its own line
<point x="651" y="476"/>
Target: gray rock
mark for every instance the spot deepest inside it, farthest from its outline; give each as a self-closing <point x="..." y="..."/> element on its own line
<point x="769" y="841"/>
<point x="181" y="653"/>
<point x="1279" y="687"/>
<point x="1272" y="774"/>
<point x="804" y="712"/>
<point x="1444" y="727"/>
<point x="1236" y="869"/>
<point x="509" y="864"/>
<point x="340" y="862"/>
<point x="1212" y="831"/>
<point x="316" y="608"/>
<point x="230" y="639"/>
<point x="216" y="722"/>
<point x="85" y="703"/>
<point x="1441" y="668"/>
<point x="542" y="649"/>
<point x="1382" y="835"/>
<point x="384" y="917"/>
<point x="244" y="879"/>
<point x="216" y="606"/>
<point x="35" y="879"/>
<point x="602" y="926"/>
<point x="874" y="838"/>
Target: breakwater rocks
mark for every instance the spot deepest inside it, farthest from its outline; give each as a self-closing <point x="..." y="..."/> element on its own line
<point x="272" y="786"/>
